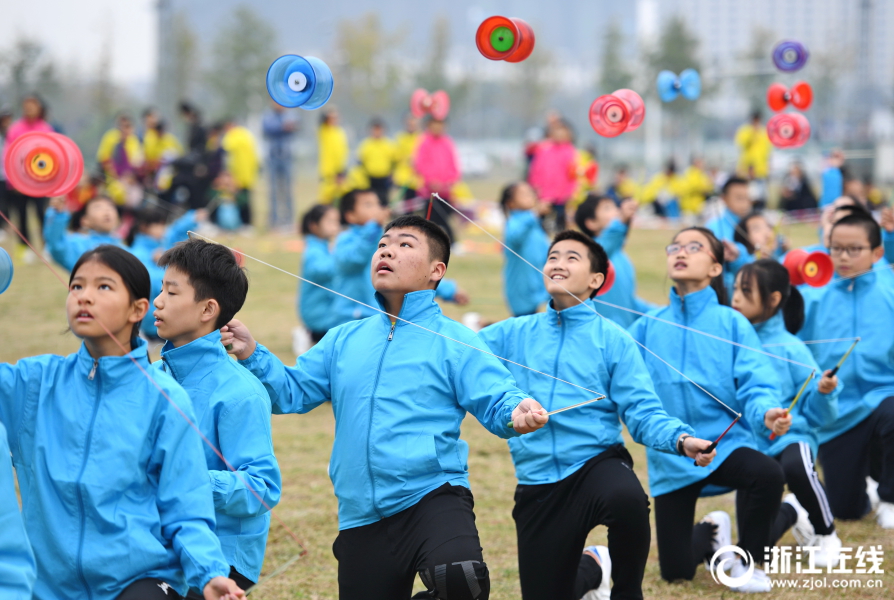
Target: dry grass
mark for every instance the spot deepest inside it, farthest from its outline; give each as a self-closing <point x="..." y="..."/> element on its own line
<point x="34" y="319"/>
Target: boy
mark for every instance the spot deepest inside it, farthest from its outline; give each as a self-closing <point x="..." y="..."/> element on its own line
<point x="857" y="303"/>
<point x="98" y="219"/>
<point x="399" y="394"/>
<point x="377" y="155"/>
<point x="203" y="288"/>
<point x="577" y="474"/>
<point x="737" y="205"/>
<point x="17" y="569"/>
<point x="602" y="220"/>
<point x="361" y="211"/>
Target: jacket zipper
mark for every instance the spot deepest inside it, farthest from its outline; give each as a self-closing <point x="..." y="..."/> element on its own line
<point x="372" y="406"/>
<point x="683" y="355"/>
<point x="552" y="430"/>
<point x="80" y="494"/>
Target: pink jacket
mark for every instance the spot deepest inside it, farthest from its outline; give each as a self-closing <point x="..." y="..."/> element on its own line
<point x="553" y="172"/>
<point x="436" y="161"/>
<point x="20" y="128"/>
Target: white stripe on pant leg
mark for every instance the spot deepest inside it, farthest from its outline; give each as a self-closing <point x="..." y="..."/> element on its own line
<point x="813" y="477"/>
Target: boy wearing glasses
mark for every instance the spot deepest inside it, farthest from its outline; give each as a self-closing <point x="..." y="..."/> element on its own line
<point x="857" y="303"/>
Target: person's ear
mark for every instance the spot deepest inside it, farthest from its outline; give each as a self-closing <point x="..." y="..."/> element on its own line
<point x="596" y="281"/>
<point x="716" y="270"/>
<point x="878" y="253"/>
<point x="139" y="308"/>
<point x="210" y="310"/>
<point x="774" y="300"/>
<point x="438" y="270"/>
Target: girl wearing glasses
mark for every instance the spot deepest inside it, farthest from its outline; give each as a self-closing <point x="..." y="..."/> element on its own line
<point x="743" y="380"/>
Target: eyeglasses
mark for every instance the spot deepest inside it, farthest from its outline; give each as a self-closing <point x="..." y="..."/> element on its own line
<point x="852" y="251"/>
<point x="690" y="248"/>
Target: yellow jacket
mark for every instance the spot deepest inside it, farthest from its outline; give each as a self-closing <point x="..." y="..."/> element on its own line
<point x="377" y="156"/>
<point x="155" y="147"/>
<point x="242" y="156"/>
<point x="111" y="139"/>
<point x="755" y="150"/>
<point x="698" y="186"/>
<point x="333" y="150"/>
<point x="674" y="186"/>
<point x="404" y="174"/>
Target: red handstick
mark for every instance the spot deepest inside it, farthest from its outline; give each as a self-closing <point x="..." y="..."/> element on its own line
<point x="713" y="445"/>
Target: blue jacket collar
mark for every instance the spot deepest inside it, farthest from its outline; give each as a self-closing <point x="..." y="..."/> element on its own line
<point x="181" y="362"/>
<point x="772" y="326"/>
<point x="862" y="282"/>
<point x="417" y="306"/>
<point x="692" y="304"/>
<point x="114" y="367"/>
<point x="582" y="313"/>
<point x="312" y="240"/>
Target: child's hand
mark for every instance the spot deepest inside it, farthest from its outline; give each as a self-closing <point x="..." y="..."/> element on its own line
<point x="628" y="209"/>
<point x="529" y="416"/>
<point x="693" y="447"/>
<point x="730" y="251"/>
<point x="57" y="203"/>
<point x="828" y="383"/>
<point x="778" y="421"/>
<point x="543" y="208"/>
<point x="887" y="221"/>
<point x="222" y="588"/>
<point x="461" y="297"/>
<point x="201" y="215"/>
<point x="237" y="339"/>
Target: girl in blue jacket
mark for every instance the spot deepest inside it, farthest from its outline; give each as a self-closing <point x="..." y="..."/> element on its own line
<point x="742" y="379"/>
<point x="765" y="297"/>
<point x="117" y="500"/>
<point x="524" y="234"/>
<point x="600" y="218"/>
<point x="94" y="224"/>
<point x="319" y="226"/>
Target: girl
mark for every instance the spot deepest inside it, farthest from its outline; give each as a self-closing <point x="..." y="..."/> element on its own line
<point x="438" y="165"/>
<point x="553" y="172"/>
<point x="765" y="297"/>
<point x="600" y="218"/>
<point x="117" y="501"/>
<point x="319" y="226"/>
<point x="759" y="237"/>
<point x="524" y="234"/>
<point x="744" y="380"/>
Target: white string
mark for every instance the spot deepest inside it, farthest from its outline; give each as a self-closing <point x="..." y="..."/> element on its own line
<point x="395" y="317"/>
<point x="850" y="339"/>
<point x="592" y="308"/>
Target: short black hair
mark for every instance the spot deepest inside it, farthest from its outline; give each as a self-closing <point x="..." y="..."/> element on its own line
<point x="734" y="180"/>
<point x="376" y="122"/>
<point x="213" y="272"/>
<point x="595" y="253"/>
<point x="148" y="215"/>
<point x="349" y="201"/>
<point x="313" y="216"/>
<point x="853" y="209"/>
<point x="869" y="225"/>
<point x="587" y="211"/>
<point x="133" y="274"/>
<point x="438" y="241"/>
<point x="740" y="233"/>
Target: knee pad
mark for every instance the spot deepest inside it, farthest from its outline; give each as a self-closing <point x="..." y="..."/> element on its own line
<point x="465" y="580"/>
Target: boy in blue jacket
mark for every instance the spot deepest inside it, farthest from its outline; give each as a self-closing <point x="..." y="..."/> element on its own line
<point x="399" y="394"/>
<point x="524" y="234"/>
<point x="737" y="205"/>
<point x="203" y="288"/>
<point x="97" y="221"/>
<point x="17" y="567"/>
<point x="856" y="303"/>
<point x="319" y="226"/>
<point x="576" y="473"/>
<point x="601" y="219"/>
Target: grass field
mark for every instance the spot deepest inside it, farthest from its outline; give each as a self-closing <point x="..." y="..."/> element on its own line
<point x="32" y="311"/>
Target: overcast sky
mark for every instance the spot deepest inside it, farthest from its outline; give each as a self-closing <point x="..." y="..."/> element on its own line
<point x="75" y="30"/>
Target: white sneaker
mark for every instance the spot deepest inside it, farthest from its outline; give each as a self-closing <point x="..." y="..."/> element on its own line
<point x="604" y="591"/>
<point x="872" y="492"/>
<point x="722" y="535"/>
<point x="884" y="515"/>
<point x="829" y="553"/>
<point x="803" y="528"/>
<point x="758" y="583"/>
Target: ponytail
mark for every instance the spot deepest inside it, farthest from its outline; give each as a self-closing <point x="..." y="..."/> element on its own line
<point x="768" y="276"/>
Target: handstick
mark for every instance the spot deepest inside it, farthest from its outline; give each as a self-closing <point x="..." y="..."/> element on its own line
<point x="558" y="410"/>
<point x="843" y="358"/>
<point x="430" y="202"/>
<point x="797" y="397"/>
<point x="713" y="445"/>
